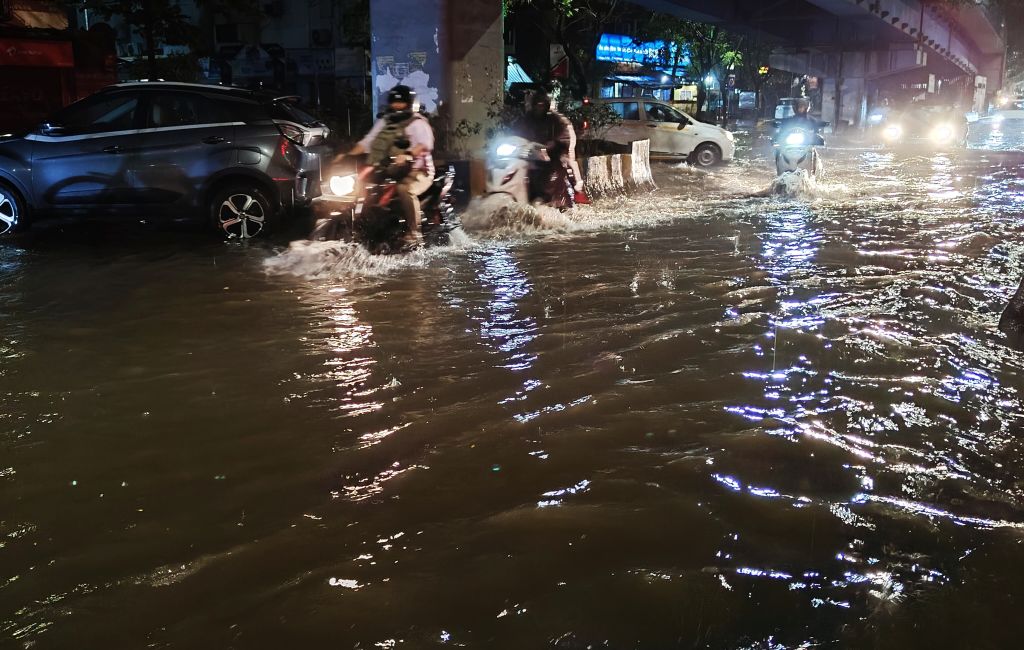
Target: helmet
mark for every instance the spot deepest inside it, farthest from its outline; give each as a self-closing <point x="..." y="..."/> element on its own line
<point x="540" y="98"/>
<point x="405" y="94"/>
<point x="801" y="105"/>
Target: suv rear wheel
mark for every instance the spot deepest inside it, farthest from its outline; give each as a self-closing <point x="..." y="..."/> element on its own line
<point x="242" y="211"/>
<point x="12" y="211"/>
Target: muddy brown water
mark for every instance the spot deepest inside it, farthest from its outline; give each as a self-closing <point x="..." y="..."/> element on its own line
<point x="686" y="420"/>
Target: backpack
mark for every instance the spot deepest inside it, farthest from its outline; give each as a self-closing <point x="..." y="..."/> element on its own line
<point x="388" y="141"/>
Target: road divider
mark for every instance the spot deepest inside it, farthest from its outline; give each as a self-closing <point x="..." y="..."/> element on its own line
<point x="619" y="174"/>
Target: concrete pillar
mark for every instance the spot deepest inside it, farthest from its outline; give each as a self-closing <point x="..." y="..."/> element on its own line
<point x="452" y="52"/>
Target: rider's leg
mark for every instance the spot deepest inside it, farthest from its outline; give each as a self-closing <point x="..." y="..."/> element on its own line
<point x="409" y="191"/>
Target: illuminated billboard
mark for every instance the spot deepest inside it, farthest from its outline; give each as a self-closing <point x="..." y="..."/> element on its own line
<point x="623" y="49"/>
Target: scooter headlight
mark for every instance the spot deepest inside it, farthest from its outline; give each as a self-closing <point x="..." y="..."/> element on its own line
<point x="343" y="185"/>
<point x="796" y="139"/>
<point x="893" y="132"/>
<point x="505" y="150"/>
<point x="942" y="133"/>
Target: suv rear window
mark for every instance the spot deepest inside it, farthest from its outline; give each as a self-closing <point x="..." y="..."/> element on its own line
<point x="281" y="110"/>
<point x="242" y="109"/>
<point x="171" y="109"/>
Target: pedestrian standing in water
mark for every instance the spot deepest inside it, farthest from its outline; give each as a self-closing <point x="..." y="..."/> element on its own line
<point x="1012" y="321"/>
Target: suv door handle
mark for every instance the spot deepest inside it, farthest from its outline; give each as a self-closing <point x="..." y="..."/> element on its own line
<point x="112" y="149"/>
<point x="214" y="139"/>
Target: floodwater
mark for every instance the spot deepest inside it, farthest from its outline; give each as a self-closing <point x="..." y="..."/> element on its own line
<point x="696" y="419"/>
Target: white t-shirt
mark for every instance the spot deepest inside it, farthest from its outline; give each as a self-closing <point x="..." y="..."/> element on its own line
<point x="419" y="132"/>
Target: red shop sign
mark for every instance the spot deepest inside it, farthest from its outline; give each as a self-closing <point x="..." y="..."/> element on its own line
<point x="38" y="54"/>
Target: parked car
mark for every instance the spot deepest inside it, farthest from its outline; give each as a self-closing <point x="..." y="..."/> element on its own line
<point x="239" y="159"/>
<point x="671" y="131"/>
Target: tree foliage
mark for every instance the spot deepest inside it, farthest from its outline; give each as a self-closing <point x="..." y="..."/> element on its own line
<point x="159" y="21"/>
<point x="712" y="50"/>
<point x="577" y="26"/>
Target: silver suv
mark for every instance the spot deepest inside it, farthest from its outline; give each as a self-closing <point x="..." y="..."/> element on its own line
<point x="239" y="159"/>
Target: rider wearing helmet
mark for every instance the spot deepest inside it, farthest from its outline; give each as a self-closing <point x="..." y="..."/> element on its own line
<point x="549" y="128"/>
<point x="801" y="119"/>
<point x="404" y="135"/>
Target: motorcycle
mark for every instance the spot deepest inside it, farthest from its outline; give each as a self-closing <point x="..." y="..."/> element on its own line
<point x="521" y="170"/>
<point x="796" y="148"/>
<point x="363" y="207"/>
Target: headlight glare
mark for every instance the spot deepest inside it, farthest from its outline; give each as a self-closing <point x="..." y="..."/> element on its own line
<point x="942" y="133"/>
<point x="795" y="139"/>
<point x="343" y="185"/>
<point x="893" y="132"/>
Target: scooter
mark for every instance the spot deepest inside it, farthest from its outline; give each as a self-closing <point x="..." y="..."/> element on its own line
<point x="796" y="148"/>
<point x="363" y="207"/>
<point x="521" y="170"/>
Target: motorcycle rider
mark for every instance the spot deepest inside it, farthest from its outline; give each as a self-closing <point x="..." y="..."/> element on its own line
<point x="546" y="126"/>
<point x="801" y="119"/>
<point x="402" y="128"/>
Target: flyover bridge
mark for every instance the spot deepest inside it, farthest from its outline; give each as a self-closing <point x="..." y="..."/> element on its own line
<point x="857" y="48"/>
<point x="452" y="51"/>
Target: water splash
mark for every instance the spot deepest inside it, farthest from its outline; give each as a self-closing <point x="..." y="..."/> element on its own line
<point x="338" y="259"/>
<point x="499" y="215"/>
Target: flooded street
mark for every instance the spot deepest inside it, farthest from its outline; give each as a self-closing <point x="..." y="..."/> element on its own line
<point x="697" y="419"/>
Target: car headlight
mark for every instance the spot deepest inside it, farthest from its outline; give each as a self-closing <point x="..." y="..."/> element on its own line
<point x="342" y="185"/>
<point x="942" y="133"/>
<point x="729" y="136"/>
<point x="893" y="132"/>
<point x="795" y="139"/>
<point x="505" y="150"/>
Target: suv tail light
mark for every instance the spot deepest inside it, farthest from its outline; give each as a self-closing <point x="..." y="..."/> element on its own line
<point x="293" y="133"/>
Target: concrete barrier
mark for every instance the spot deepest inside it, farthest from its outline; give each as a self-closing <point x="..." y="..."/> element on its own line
<point x="619" y="174"/>
<point x="640" y="178"/>
<point x="596" y="176"/>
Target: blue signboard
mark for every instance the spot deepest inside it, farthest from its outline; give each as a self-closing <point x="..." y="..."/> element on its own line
<point x="623" y="49"/>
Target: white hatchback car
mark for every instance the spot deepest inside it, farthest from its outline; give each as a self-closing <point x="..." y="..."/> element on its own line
<point x="671" y="132"/>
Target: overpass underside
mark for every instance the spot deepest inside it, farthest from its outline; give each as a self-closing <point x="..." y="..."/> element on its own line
<point x="860" y="48"/>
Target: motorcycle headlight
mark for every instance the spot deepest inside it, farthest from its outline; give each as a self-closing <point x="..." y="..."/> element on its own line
<point x="893" y="132"/>
<point x="942" y="133"/>
<point x="505" y="150"/>
<point x="795" y="139"/>
<point x="343" y="185"/>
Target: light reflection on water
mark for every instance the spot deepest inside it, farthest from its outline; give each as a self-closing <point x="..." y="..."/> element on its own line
<point x="724" y="422"/>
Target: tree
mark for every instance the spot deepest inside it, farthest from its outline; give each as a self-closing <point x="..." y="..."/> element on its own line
<point x="154" y="20"/>
<point x="576" y="25"/>
<point x="712" y="50"/>
<point x="160" y="21"/>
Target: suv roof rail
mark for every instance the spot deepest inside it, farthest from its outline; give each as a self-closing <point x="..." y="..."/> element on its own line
<point x="288" y="98"/>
